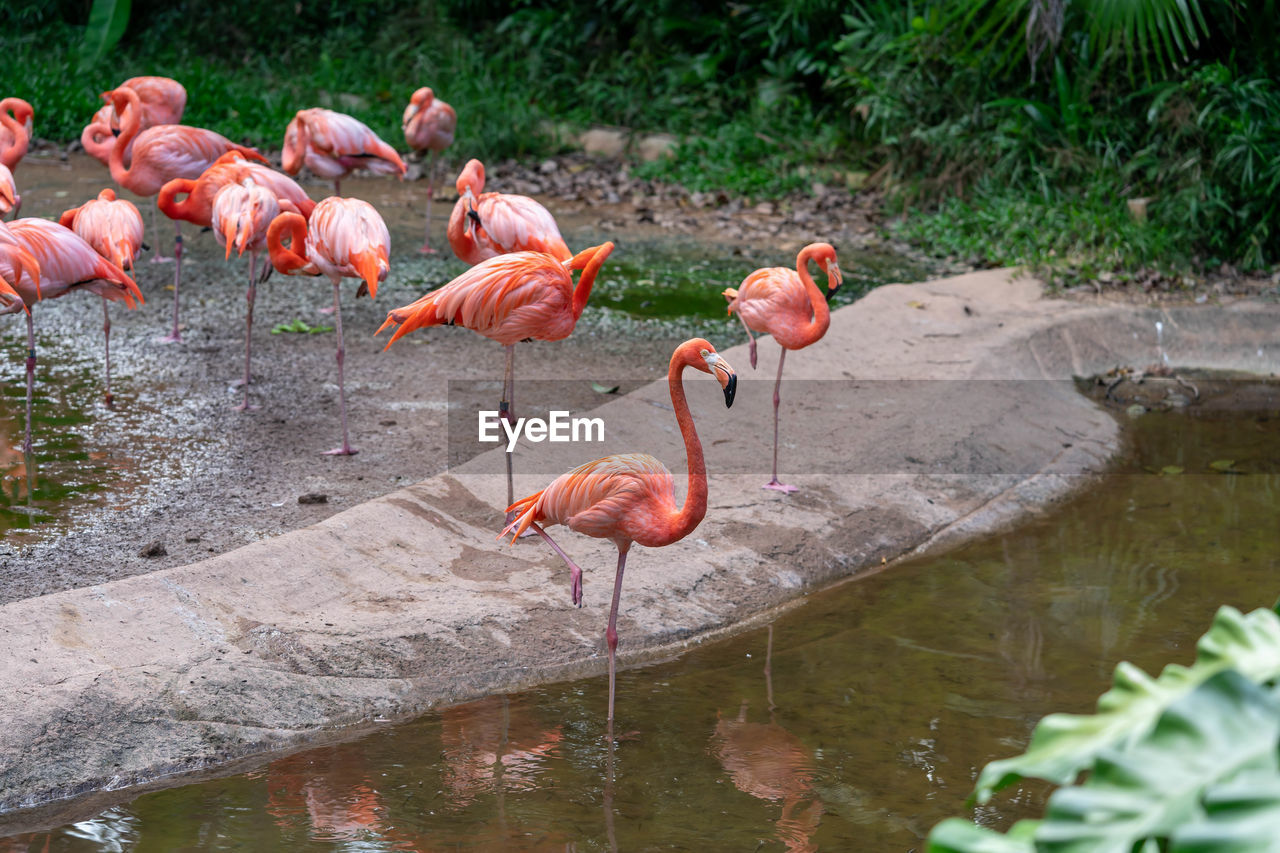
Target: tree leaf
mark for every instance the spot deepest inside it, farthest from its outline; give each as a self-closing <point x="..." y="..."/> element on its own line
<point x="1241" y="815"/>
<point x="1064" y="744"/>
<point x="107" y="22"/>
<point x="604" y="389"/>
<point x="957" y="835"/>
<point x="1222" y="464"/>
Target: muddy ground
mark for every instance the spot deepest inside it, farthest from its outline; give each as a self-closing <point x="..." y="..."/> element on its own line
<point x="188" y="477"/>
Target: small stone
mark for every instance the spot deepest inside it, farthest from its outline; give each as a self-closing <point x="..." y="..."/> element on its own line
<point x="546" y="167"/>
<point x="1137" y="410"/>
<point x="154" y="549"/>
<point x="313" y="498"/>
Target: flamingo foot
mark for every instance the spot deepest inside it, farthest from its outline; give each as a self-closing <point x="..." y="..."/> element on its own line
<point x="344" y="450"/>
<point x="109" y="399"/>
<point x="779" y="487"/>
<point x="326" y="310"/>
<point x="427" y="250"/>
<point x="575" y="586"/>
<point x="171" y="338"/>
<point x="161" y="259"/>
<point x="246" y="406"/>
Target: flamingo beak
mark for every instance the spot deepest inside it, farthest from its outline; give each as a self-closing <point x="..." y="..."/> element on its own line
<point x="834" y="278"/>
<point x="724" y="374"/>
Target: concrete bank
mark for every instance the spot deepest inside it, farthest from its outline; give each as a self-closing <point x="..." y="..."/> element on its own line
<point x="929" y="413"/>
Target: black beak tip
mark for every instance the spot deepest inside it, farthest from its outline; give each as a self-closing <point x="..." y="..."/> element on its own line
<point x="115" y="131"/>
<point x="730" y="390"/>
<point x="832" y="292"/>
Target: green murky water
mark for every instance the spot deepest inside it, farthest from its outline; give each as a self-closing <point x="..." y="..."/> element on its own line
<point x="880" y="700"/>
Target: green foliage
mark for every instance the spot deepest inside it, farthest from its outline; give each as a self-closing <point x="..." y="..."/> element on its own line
<point x="1187" y="761"/>
<point x="107" y="21"/>
<point x="298" y="327"/>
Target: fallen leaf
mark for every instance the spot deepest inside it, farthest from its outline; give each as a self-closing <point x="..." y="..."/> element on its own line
<point x="604" y="389"/>
<point x="1222" y="464"/>
<point x="915" y="304"/>
<point x="1171" y="470"/>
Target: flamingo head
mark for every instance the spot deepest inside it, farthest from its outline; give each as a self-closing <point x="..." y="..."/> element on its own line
<point x="824" y="254"/>
<point x="712" y="362"/>
<point x="471" y="180"/>
<point x="420" y="101"/>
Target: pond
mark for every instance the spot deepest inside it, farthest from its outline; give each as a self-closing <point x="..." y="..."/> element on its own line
<point x="853" y="722"/>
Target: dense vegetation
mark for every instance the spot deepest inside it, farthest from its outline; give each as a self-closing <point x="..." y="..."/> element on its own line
<point x="1013" y="130"/>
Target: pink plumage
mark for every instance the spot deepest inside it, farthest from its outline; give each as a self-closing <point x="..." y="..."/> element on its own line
<point x="69" y="263"/>
<point x="112" y="226"/>
<point x="16" y="124"/>
<point x="163" y="101"/>
<point x="428" y="122"/>
<point x="484" y="225"/>
<point x="333" y="144"/>
<point x="9" y="198"/>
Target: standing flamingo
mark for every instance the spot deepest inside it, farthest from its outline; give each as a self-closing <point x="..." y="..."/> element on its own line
<point x="630" y="497"/>
<point x="508" y="298"/>
<point x="333" y="145"/>
<point x="65" y="263"/>
<point x="163" y="102"/>
<point x="231" y="168"/>
<point x="344" y="237"/>
<point x="428" y="126"/>
<point x="113" y="227"/>
<point x="241" y="215"/>
<point x="160" y="154"/>
<point x="10" y="201"/>
<point x="788" y="305"/>
<point x="15" y="130"/>
<point x="483" y="224"/>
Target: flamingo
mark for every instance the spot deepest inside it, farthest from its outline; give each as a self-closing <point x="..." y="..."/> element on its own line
<point x="483" y="224"/>
<point x="66" y="263"/>
<point x="333" y="145"/>
<point x="241" y="215"/>
<point x="508" y="298"/>
<point x="788" y="305"/>
<point x="15" y="130"/>
<point x="113" y="227"/>
<point x="163" y="102"/>
<point x="160" y="154"/>
<point x="344" y="237"/>
<point x="10" y="201"/>
<point x="629" y="497"/>
<point x="231" y="168"/>
<point x="428" y="126"/>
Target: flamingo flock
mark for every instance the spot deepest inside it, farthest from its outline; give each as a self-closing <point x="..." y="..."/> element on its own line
<point x="520" y="285"/>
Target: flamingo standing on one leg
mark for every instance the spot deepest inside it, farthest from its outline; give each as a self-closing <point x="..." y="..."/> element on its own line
<point x="630" y="497"/>
<point x="231" y="168"/>
<point x="10" y="201"/>
<point x="241" y="215"/>
<point x="344" y="237"/>
<point x="65" y="263"/>
<point x="333" y="145"/>
<point x="428" y="126"/>
<point x="163" y="102"/>
<point x="113" y="227"/>
<point x="160" y="154"/>
<point x="16" y="117"/>
<point x="508" y="298"/>
<point x="788" y="305"/>
<point x="483" y="224"/>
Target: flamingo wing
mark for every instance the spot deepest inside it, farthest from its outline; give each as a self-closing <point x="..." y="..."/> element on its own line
<point x="113" y="227"/>
<point x="67" y="261"/>
<point x="163" y="99"/>
<point x="770" y="295"/>
<point x="347" y="237"/>
<point x="339" y="143"/>
<point x="516" y="223"/>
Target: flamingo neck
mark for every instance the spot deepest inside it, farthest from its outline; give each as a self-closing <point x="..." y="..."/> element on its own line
<point x="286" y="259"/>
<point x="695" y="502"/>
<point x="582" y="292"/>
<point x="817" y="327"/>
<point x="130" y="122"/>
<point x="169" y="204"/>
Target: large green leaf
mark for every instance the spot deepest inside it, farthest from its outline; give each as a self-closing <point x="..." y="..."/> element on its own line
<point x="1064" y="744"/>
<point x="957" y="835"/>
<point x="107" y="22"/>
<point x="1149" y="788"/>
<point x="1241" y="816"/>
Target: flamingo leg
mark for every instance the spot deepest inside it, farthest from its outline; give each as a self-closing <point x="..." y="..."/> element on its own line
<point x="431" y="181"/>
<point x="575" y="573"/>
<point x="156" y="257"/>
<point x="248" y="331"/>
<point x="611" y="634"/>
<point x="346" y="449"/>
<point x="777" y="399"/>
<point x="106" y="335"/>
<point x="175" y="336"/>
<point x="504" y="412"/>
<point x="31" y="381"/>
<point x="337" y="186"/>
<point x="751" y="346"/>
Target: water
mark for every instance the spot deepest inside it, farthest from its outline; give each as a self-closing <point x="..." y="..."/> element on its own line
<point x="855" y="722"/>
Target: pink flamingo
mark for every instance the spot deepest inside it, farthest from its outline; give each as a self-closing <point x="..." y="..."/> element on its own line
<point x="629" y="497"/>
<point x="163" y="102"/>
<point x="10" y="201"/>
<point x="344" y="237"/>
<point x="508" y="298"/>
<point x="241" y="215"/>
<point x="231" y="168"/>
<point x="788" y="305"/>
<point x="428" y="126"/>
<point x="66" y="263"/>
<point x="16" y="117"/>
<point x="333" y="145"/>
<point x="483" y="224"/>
<point x="160" y="154"/>
<point x="113" y="227"/>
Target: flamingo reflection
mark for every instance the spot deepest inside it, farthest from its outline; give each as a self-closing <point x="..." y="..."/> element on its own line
<point x="768" y="762"/>
<point x="492" y="747"/>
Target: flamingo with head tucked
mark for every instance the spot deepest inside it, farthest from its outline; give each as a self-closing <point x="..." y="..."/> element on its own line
<point x="163" y="101"/>
<point x="484" y="225"/>
<point x="113" y="227"/>
<point x="16" y="117"/>
<point x="160" y="154"/>
<point x="10" y="201"/>
<point x="333" y="145"/>
<point x="196" y="202"/>
<point x="508" y="298"/>
<point x="345" y="237"/>
<point x="241" y="215"/>
<point x="787" y="304"/>
<point x="65" y="263"/>
<point x="428" y="125"/>
<point x="630" y="497"/>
